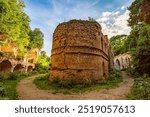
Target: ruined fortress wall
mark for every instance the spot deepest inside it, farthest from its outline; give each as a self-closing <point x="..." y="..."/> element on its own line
<point x="122" y="61"/>
<point x="10" y="63"/>
<point x="79" y="51"/>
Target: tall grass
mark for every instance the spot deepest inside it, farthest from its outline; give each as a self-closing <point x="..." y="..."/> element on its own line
<point x="8" y="82"/>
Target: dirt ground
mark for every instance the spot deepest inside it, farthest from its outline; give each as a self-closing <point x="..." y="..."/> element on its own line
<point x="28" y="91"/>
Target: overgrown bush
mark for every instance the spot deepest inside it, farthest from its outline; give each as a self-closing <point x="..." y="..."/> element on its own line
<point x="141" y="88"/>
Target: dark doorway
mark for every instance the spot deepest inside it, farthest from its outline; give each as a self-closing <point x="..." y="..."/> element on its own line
<point x="5" y="66"/>
<point x="118" y="64"/>
<point x="19" y="67"/>
<point x="30" y="68"/>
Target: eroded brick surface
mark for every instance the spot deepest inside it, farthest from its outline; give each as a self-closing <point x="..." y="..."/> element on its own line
<point x="80" y="51"/>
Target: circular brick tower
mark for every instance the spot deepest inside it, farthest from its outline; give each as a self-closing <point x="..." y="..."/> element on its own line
<point x="79" y="51"/>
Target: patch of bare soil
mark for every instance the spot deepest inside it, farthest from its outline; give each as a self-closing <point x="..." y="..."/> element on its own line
<point x="28" y="91"/>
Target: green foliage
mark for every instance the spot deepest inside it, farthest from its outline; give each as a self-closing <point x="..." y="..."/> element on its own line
<point x="15" y="23"/>
<point x="138" y="43"/>
<point x="132" y="72"/>
<point x="134" y="12"/>
<point x="36" y="40"/>
<point x="131" y="41"/>
<point x="8" y="82"/>
<point x="141" y="89"/>
<point x="117" y="43"/>
<point x="57" y="85"/>
<point x="2" y="92"/>
<point x="43" y="62"/>
<point x="91" y="19"/>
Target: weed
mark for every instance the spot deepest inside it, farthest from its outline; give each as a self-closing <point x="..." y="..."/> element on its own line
<point x="141" y="88"/>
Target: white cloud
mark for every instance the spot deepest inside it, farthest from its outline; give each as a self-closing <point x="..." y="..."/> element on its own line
<point x="123" y="8"/>
<point x="106" y="14"/>
<point x="114" y="23"/>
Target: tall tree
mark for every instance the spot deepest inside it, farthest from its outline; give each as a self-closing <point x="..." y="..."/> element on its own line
<point x="134" y="12"/>
<point x="139" y="12"/>
<point x="138" y="41"/>
<point x="15" y="23"/>
<point x="43" y="62"/>
<point x="37" y="38"/>
<point x="117" y="43"/>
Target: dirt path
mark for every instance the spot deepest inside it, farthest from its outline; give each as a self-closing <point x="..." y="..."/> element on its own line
<point x="28" y="91"/>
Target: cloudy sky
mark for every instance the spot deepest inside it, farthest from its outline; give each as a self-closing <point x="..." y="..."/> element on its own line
<point x="47" y="14"/>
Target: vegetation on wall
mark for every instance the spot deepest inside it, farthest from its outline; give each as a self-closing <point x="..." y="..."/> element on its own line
<point x="15" y="23"/>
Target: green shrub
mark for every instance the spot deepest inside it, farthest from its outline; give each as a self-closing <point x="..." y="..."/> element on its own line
<point x="1" y="77"/>
<point x="132" y="72"/>
<point x="55" y="80"/>
<point x="13" y="76"/>
<point x="2" y="91"/>
<point x="141" y="88"/>
<point x="4" y="76"/>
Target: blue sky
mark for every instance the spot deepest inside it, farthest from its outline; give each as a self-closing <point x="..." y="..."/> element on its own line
<point x="47" y="14"/>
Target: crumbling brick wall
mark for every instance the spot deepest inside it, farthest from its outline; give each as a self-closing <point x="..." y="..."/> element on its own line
<point x="79" y="51"/>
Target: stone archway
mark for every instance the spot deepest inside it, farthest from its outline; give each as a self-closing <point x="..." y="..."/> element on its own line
<point x="118" y="66"/>
<point x="19" y="67"/>
<point x="30" y="68"/>
<point x="6" y="66"/>
<point x="122" y="63"/>
<point x="129" y="61"/>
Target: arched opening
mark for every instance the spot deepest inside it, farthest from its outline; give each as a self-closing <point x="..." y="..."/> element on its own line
<point x="118" y="64"/>
<point x="5" y="66"/>
<point x="30" y="61"/>
<point x="122" y="63"/>
<point x="19" y="67"/>
<point x="129" y="61"/>
<point x="30" y="68"/>
<point x="126" y="63"/>
<point x="103" y="68"/>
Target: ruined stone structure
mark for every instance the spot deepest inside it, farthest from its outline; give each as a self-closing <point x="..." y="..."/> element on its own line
<point x="9" y="61"/>
<point x="122" y="61"/>
<point x="80" y="51"/>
